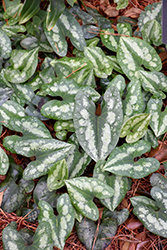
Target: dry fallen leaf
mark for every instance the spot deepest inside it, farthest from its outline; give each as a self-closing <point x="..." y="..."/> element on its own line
<point x="159" y="153"/>
<point x="133" y="12"/>
<point x="134" y="224"/>
<point x="109" y="10"/>
<point x="1" y="196"/>
<point x="125" y="246"/>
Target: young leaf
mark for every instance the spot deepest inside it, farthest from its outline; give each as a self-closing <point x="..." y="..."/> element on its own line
<point x="152" y="32"/>
<point x="82" y="190"/>
<point x="86" y="231"/>
<point x="77" y="159"/>
<point x="30" y="8"/>
<point x="158" y="121"/>
<point x="132" y="52"/>
<point x="57" y="174"/>
<point x="55" y="9"/>
<point x="5" y="45"/>
<point x="4" y="162"/>
<point x="102" y="64"/>
<point x="61" y="225"/>
<point x="66" y="25"/>
<point x="135" y="127"/>
<point x="98" y="135"/>
<point x="12" y="239"/>
<point x="22" y="65"/>
<point x="119" y="184"/>
<point x="46" y="151"/>
<point x="153" y="218"/>
<point x="121" y="160"/>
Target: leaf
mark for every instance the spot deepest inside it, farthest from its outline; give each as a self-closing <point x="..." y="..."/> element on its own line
<point x="29" y="10"/>
<point x="77" y="159"/>
<point x="98" y="135"/>
<point x="133" y="52"/>
<point x="41" y="192"/>
<point x="5" y="45"/>
<point x="121" y="160"/>
<point x="119" y="184"/>
<point x="158" y="121"/>
<point x="46" y="151"/>
<point x="66" y="25"/>
<point x="153" y="82"/>
<point x="55" y="9"/>
<point x="119" y="82"/>
<point x="158" y="180"/>
<point x="13" y="29"/>
<point x="153" y="218"/>
<point x="22" y="65"/>
<point x="102" y="64"/>
<point x="4" y="162"/>
<point x="150" y="137"/>
<point x="61" y="225"/>
<point x="12" y="239"/>
<point x="82" y="190"/>
<point x="119" y="216"/>
<point x="124" y="28"/>
<point x="63" y="107"/>
<point x="58" y="173"/>
<point x="5" y="93"/>
<point x="151" y="12"/>
<point x="62" y="128"/>
<point x="14" y="195"/>
<point x="121" y="4"/>
<point x="133" y="103"/>
<point x="152" y="32"/>
<point x="109" y="40"/>
<point x="71" y="2"/>
<point x="135" y="127"/>
<point x="86" y="231"/>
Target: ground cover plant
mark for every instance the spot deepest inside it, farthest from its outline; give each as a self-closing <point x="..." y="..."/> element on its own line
<point x="83" y="122"/>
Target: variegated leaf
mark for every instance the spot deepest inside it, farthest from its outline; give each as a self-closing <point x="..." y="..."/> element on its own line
<point x="133" y="103"/>
<point x="77" y="159"/>
<point x="82" y="191"/>
<point x="5" y="45"/>
<point x="61" y="225"/>
<point x="116" y="65"/>
<point x="158" y="121"/>
<point x="135" y="127"/>
<point x="158" y="180"/>
<point x="153" y="217"/>
<point x="4" y="162"/>
<point x="119" y="184"/>
<point x="121" y="160"/>
<point x="124" y="28"/>
<point x="12" y="239"/>
<point x="133" y="52"/>
<point x="29" y="10"/>
<point x="102" y="64"/>
<point x="57" y="174"/>
<point x="152" y="32"/>
<point x="98" y="134"/>
<point x="65" y="90"/>
<point x="151" y="138"/>
<point x="119" y="82"/>
<point x="46" y="151"/>
<point x="13" y="29"/>
<point x="153" y="82"/>
<point x="22" y="65"/>
<point x="121" y="4"/>
<point x="109" y="40"/>
<point x="62" y="128"/>
<point x="66" y="25"/>
<point x="120" y="216"/>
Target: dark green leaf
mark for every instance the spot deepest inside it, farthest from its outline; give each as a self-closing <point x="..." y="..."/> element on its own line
<point x="30" y="8"/>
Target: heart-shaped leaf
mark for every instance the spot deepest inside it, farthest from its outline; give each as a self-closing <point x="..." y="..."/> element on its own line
<point x="65" y="90"/>
<point x="66" y="25"/>
<point x="153" y="217"/>
<point x="77" y="159"/>
<point x="61" y="225"/>
<point x="119" y="82"/>
<point x="120" y="216"/>
<point x="86" y="231"/>
<point x="12" y="239"/>
<point x="58" y="173"/>
<point x="132" y="52"/>
<point x="121" y="160"/>
<point x="119" y="184"/>
<point x="5" y="45"/>
<point x="41" y="192"/>
<point x="102" y="64"/>
<point x="4" y="162"/>
<point x="82" y="190"/>
<point x="133" y="103"/>
<point x="46" y="151"/>
<point x="29" y="10"/>
<point x="109" y="40"/>
<point x="22" y="65"/>
<point x="55" y="9"/>
<point x="98" y="134"/>
<point x="135" y="127"/>
<point x="158" y="121"/>
<point x="153" y="82"/>
<point x="152" y="32"/>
